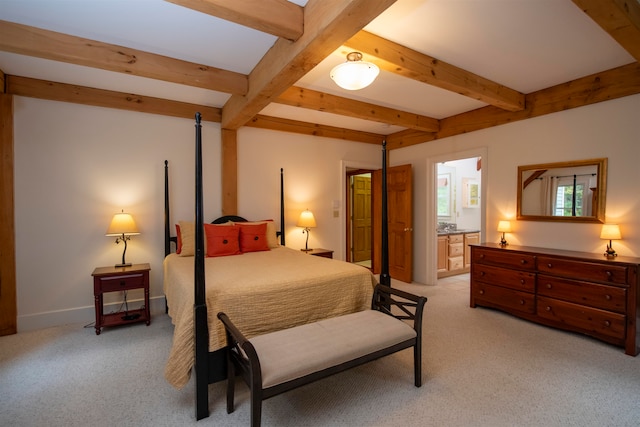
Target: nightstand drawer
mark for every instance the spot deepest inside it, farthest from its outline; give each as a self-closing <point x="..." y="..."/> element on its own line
<point x="121" y="283"/>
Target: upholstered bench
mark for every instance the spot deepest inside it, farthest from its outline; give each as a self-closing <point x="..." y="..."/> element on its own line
<point x="276" y="362"/>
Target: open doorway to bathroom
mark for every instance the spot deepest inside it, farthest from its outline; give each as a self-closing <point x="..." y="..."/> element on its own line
<point x="358" y="212"/>
<point x="459" y="213"/>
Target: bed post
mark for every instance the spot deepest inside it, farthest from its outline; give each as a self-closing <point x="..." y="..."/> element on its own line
<point x="282" y="206"/>
<point x="385" y="279"/>
<point x="200" y="308"/>
<point x="167" y="231"/>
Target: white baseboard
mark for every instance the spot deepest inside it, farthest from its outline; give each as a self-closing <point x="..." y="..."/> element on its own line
<point x="81" y="315"/>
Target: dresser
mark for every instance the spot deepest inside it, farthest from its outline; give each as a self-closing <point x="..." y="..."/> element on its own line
<point x="575" y="291"/>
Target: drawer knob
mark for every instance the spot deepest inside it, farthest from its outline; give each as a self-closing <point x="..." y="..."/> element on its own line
<point x="548" y="308"/>
<point x="482" y="273"/>
<point x="522" y="281"/>
<point x="481" y="292"/>
<point x="549" y="265"/>
<point x="523" y="261"/>
<point x="607" y="323"/>
<point x="607" y="297"/>
<point x="609" y="274"/>
<point x="548" y="285"/>
<point x="521" y="302"/>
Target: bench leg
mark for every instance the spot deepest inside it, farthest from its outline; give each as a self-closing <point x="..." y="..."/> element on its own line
<point x="256" y="407"/>
<point x="231" y="382"/>
<point x="417" y="364"/>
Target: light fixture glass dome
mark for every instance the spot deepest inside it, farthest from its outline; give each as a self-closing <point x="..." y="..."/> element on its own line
<point x="354" y="74"/>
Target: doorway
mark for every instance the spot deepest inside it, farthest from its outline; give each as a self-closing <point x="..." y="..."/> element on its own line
<point x="466" y="206"/>
<point x="359" y="240"/>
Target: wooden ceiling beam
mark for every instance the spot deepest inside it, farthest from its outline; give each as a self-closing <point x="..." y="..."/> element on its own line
<point x="599" y="87"/>
<point x="26" y="40"/>
<point x="294" y="126"/>
<point x="327" y="24"/>
<point x="412" y="64"/>
<point x="53" y="91"/>
<point x="619" y="18"/>
<point x="314" y="100"/>
<point x="278" y="17"/>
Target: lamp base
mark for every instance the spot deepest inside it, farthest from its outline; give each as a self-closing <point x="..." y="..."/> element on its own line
<point x="128" y="264"/>
<point x="306" y="250"/>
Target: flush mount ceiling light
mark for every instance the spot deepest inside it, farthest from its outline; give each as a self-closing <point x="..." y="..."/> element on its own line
<point x="354" y="74"/>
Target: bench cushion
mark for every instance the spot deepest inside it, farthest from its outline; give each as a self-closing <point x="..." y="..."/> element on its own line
<point x="292" y="353"/>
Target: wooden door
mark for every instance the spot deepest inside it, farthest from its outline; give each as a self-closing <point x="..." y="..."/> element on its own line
<point x="361" y="218"/>
<point x="400" y="221"/>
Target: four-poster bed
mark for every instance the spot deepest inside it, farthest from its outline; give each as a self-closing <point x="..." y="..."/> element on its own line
<point x="278" y="288"/>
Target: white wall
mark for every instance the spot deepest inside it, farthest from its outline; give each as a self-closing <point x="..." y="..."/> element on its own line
<point x="75" y="166"/>
<point x="608" y="129"/>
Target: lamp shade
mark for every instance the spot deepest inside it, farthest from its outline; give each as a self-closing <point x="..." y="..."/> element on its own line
<point x="354" y="74"/>
<point x="504" y="226"/>
<point x="610" y="232"/>
<point x="122" y="223"/>
<point x="306" y="220"/>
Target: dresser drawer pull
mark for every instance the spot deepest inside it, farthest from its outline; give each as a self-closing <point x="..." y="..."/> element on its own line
<point x="548" y="308"/>
<point x="607" y="297"/>
<point x="521" y="302"/>
<point x="548" y="285"/>
<point x="522" y="281"/>
<point x="481" y="292"/>
<point x="481" y="256"/>
<point x="482" y="273"/>
<point x="607" y="323"/>
<point x="523" y="261"/>
<point x="549" y="265"/>
<point x="609" y="274"/>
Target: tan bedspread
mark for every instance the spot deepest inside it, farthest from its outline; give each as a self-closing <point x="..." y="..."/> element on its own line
<point x="260" y="292"/>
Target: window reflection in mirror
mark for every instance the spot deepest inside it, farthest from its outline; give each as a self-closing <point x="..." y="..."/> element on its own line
<point x="444" y="197"/>
<point x="567" y="191"/>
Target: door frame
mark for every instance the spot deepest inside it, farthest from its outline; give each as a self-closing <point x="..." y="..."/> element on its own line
<point x="344" y="165"/>
<point x="431" y="198"/>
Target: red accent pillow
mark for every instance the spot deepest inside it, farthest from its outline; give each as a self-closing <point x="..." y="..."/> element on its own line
<point x="222" y="240"/>
<point x="253" y="237"/>
<point x="179" y="242"/>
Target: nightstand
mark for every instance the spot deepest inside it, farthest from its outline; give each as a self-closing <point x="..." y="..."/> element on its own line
<point x="325" y="253"/>
<point x="117" y="279"/>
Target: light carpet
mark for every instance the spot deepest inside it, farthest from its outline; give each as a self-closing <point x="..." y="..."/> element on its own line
<point x="480" y="368"/>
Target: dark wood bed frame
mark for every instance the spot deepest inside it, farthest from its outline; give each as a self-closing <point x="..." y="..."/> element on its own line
<point x="211" y="367"/>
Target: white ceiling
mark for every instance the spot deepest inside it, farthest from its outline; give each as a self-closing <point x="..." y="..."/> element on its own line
<point x="525" y="45"/>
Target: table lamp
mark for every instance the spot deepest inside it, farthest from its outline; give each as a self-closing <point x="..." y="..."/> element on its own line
<point x="306" y="221"/>
<point x="504" y="227"/>
<point x="123" y="226"/>
<point x="610" y="232"/>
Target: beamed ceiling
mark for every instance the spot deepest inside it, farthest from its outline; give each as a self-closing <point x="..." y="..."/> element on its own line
<point x="447" y="66"/>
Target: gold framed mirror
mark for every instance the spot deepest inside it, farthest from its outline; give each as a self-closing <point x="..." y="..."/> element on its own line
<point x="564" y="192"/>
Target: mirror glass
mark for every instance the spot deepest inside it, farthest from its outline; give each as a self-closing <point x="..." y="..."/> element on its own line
<point x="566" y="191"/>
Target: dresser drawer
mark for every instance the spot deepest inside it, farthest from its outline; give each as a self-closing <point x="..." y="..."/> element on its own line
<point x="503" y="298"/>
<point x="504" y="258"/>
<point x="586" y="319"/>
<point x="599" y="296"/>
<point x="591" y="271"/>
<point x="456" y="263"/>
<point x="456" y="238"/>
<point x="514" y="279"/>
<point x="456" y="249"/>
<point x="121" y="283"/>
